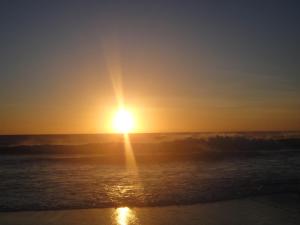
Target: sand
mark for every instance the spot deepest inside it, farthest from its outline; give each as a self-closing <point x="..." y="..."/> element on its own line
<point x="273" y="209"/>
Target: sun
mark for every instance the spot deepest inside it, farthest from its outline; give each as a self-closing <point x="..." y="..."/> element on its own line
<point x="123" y="121"/>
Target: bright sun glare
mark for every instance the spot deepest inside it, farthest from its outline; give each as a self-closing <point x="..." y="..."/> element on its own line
<point x="123" y="121"/>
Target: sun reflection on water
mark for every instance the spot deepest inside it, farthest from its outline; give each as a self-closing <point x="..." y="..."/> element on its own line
<point x="125" y="216"/>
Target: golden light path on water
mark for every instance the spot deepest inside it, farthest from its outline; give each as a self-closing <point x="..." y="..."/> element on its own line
<point x="129" y="154"/>
<point x="123" y="215"/>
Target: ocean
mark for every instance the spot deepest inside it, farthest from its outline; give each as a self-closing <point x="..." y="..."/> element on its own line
<point x="49" y="172"/>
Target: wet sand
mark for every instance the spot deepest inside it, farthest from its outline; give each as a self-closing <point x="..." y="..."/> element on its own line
<point x="272" y="209"/>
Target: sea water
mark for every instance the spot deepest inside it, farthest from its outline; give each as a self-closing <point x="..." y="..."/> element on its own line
<point x="90" y="171"/>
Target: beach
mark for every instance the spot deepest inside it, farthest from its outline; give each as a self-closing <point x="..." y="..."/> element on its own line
<point x="149" y="112"/>
<point x="270" y="209"/>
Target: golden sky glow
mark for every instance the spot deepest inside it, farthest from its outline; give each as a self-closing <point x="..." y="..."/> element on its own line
<point x="176" y="69"/>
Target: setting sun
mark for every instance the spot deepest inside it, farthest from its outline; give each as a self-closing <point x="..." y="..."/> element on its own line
<point x="123" y="121"/>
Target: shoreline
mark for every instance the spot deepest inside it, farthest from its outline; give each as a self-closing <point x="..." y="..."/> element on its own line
<point x="268" y="209"/>
<point x="163" y="205"/>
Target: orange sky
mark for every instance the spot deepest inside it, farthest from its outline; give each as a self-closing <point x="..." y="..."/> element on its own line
<point x="181" y="66"/>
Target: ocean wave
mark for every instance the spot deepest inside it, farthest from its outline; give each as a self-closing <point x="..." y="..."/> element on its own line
<point x="171" y="171"/>
<point x="188" y="148"/>
<point x="82" y="139"/>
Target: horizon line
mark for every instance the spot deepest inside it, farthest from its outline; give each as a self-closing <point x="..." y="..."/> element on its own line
<point x="154" y="132"/>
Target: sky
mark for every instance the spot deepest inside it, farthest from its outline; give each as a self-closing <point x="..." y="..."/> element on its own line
<point x="183" y="65"/>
